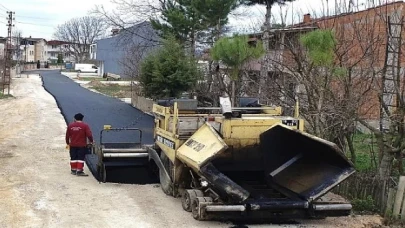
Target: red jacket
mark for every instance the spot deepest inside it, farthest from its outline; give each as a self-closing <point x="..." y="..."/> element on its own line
<point x="77" y="134"/>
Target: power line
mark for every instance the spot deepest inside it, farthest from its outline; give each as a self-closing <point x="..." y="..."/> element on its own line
<point x="4" y="7"/>
<point x="27" y="23"/>
<point x="39" y="18"/>
<point x="25" y="31"/>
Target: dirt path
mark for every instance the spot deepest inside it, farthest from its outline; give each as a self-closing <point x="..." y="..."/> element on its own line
<point x="37" y="189"/>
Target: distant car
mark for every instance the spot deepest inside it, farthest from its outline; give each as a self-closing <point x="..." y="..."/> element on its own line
<point x="86" y="68"/>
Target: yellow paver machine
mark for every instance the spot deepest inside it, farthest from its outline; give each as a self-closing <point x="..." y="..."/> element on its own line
<point x="250" y="163"/>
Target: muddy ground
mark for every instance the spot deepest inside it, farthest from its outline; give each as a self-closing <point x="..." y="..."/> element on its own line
<point x="37" y="189"/>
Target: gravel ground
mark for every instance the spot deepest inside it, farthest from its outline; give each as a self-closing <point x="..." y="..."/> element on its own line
<point x="37" y="190"/>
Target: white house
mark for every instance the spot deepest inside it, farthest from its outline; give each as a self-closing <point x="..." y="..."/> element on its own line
<point x="57" y="47"/>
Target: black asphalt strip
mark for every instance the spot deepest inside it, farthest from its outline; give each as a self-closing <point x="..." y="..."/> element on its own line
<point x="99" y="110"/>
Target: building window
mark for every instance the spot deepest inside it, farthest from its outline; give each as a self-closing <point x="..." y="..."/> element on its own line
<point x="54" y="46"/>
<point x="67" y="55"/>
<point x="53" y="55"/>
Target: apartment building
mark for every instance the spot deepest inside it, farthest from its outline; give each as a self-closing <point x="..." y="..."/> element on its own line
<point x="33" y="49"/>
<point x="57" y="47"/>
<point x="39" y="49"/>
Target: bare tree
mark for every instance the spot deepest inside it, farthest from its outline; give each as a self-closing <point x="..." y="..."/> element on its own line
<point x="80" y="33"/>
<point x="332" y="98"/>
<point x="390" y="132"/>
<point x="367" y="74"/>
<point x="17" y="37"/>
<point x="128" y="13"/>
<point x="136" y="48"/>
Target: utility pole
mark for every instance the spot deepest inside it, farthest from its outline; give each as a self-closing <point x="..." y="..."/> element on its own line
<point x="8" y="54"/>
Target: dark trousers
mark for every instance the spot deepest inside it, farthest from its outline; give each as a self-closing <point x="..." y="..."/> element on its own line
<point x="77" y="155"/>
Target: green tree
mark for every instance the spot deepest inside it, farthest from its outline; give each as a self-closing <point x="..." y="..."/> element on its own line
<point x="187" y="20"/>
<point x="264" y="69"/>
<point x="235" y="52"/>
<point x="214" y="13"/>
<point x="169" y="71"/>
<point x="269" y="4"/>
<point x="60" y="59"/>
<point x="320" y="45"/>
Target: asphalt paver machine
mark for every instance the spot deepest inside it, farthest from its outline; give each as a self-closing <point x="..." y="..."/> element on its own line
<point x="229" y="162"/>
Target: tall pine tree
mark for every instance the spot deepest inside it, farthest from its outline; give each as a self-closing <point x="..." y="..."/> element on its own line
<point x="264" y="69"/>
<point x="269" y="4"/>
<point x="188" y="20"/>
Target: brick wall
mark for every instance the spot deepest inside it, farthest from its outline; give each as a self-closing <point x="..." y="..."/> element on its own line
<point x="361" y="38"/>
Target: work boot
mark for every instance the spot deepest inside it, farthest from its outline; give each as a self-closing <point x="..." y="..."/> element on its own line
<point x="81" y="173"/>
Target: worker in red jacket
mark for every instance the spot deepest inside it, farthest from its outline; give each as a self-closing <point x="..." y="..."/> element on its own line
<point x="77" y="134"/>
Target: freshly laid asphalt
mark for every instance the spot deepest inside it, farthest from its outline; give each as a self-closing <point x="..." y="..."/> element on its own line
<point x="98" y="110"/>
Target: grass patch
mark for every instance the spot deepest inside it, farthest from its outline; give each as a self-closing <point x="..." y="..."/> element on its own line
<point x="364" y="205"/>
<point x="114" y="90"/>
<point x="101" y="79"/>
<point x="366" y="152"/>
<point x="4" y="96"/>
<point x="92" y="79"/>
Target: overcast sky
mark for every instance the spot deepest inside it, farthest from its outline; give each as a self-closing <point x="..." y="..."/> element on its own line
<point x="38" y="18"/>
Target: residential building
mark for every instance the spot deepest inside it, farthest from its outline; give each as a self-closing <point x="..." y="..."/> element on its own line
<point x="14" y="48"/>
<point x="362" y="43"/>
<point x="34" y="49"/>
<point x="120" y="53"/>
<point x="57" y="47"/>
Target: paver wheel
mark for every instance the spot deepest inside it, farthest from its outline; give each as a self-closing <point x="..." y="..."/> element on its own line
<point x="195" y="207"/>
<point x="188" y="197"/>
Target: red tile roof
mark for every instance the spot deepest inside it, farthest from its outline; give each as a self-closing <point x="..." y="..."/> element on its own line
<point x="57" y="42"/>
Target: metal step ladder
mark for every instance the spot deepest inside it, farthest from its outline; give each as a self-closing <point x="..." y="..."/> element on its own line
<point x="392" y="71"/>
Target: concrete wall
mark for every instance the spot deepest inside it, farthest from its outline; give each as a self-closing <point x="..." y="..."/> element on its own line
<point x="40" y="50"/>
<point x="2" y="51"/>
<point x="34" y="67"/>
<point x="142" y="103"/>
<point x="13" y="72"/>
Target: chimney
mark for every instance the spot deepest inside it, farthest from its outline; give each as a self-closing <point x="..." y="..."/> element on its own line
<point x="114" y="32"/>
<point x="307" y="18"/>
